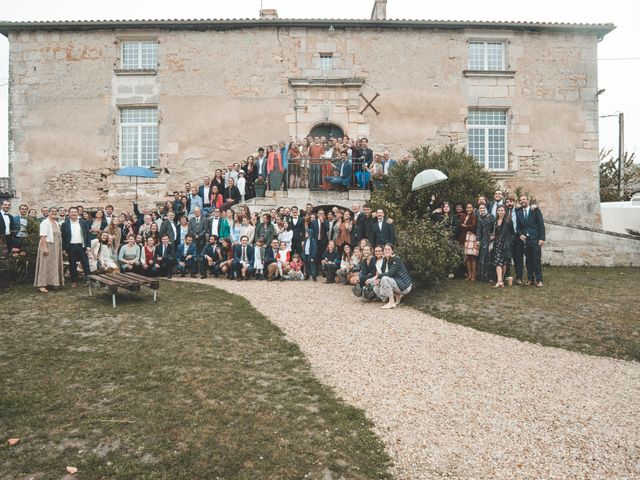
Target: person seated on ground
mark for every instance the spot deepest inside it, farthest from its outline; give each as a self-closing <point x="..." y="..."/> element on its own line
<point x="164" y="257"/>
<point x="270" y="260"/>
<point x="367" y="269"/>
<point x="347" y="262"/>
<point x="100" y="255"/>
<point x="330" y="262"/>
<point x="209" y="256"/>
<point x="283" y="258"/>
<point x="186" y="257"/>
<point x="354" y="277"/>
<point x="130" y="254"/>
<point x="243" y="259"/>
<point x="309" y="254"/>
<point x="394" y="281"/>
<point x="342" y="180"/>
<point x="258" y="264"/>
<point x="223" y="267"/>
<point x="295" y="268"/>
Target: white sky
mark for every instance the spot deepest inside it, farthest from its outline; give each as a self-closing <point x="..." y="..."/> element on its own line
<point x="618" y="77"/>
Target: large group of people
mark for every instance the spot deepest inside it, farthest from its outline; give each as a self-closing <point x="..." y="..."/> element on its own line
<point x="496" y="234"/>
<point x="351" y="247"/>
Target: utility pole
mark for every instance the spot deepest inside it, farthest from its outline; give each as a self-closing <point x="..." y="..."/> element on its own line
<point x="621" y="155"/>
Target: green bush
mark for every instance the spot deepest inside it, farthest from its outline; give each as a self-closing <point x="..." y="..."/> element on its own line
<point x="426" y="246"/>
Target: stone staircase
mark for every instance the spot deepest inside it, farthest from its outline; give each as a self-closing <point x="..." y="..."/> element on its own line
<point x="301" y="196"/>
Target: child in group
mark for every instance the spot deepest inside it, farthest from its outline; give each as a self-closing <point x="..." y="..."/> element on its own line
<point x="283" y="258"/>
<point x="258" y="263"/>
<point x="295" y="272"/>
<point x="242" y="185"/>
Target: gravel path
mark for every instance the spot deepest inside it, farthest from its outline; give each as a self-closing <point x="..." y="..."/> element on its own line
<point x="451" y="402"/>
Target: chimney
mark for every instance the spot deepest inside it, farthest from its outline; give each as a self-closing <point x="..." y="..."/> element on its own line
<point x="379" y="11"/>
<point x="269" y="14"/>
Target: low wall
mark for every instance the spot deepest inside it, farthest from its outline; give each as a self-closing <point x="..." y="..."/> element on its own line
<point x="570" y="245"/>
<point x="619" y="216"/>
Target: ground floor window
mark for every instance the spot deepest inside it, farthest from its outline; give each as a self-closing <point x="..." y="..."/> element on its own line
<point x="487" y="137"/>
<point x="138" y="137"/>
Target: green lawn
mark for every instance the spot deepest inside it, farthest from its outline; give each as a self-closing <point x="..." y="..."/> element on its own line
<point x="590" y="310"/>
<point x="199" y="386"/>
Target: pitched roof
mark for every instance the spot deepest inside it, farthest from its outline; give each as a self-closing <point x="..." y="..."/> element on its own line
<point x="228" y="24"/>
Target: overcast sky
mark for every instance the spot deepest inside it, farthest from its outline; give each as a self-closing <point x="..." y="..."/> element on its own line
<point x="618" y="53"/>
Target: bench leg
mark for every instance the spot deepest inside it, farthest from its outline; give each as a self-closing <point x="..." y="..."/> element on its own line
<point x="113" y="296"/>
<point x="155" y="295"/>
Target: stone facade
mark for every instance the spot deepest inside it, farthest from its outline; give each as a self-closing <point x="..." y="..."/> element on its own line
<point x="224" y="88"/>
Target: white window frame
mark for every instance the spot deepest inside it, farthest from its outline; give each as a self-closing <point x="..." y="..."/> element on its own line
<point x="485" y="50"/>
<point x="330" y="64"/>
<point x="139" y="43"/>
<point x="139" y="125"/>
<point x="487" y="127"/>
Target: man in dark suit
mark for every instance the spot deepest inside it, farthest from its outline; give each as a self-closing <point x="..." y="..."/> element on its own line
<point x="213" y="224"/>
<point x="382" y="232"/>
<point x="8" y="227"/>
<point x="168" y="227"/>
<point x="204" y="192"/>
<point x="531" y="232"/>
<point x="309" y="255"/>
<point x="369" y="222"/>
<point x="186" y="257"/>
<point x="296" y="224"/>
<point x="198" y="228"/>
<point x="164" y="257"/>
<point x="358" y="232"/>
<point x="320" y="228"/>
<point x="260" y="169"/>
<point x="243" y="259"/>
<point x="75" y="243"/>
<point x="497" y="201"/>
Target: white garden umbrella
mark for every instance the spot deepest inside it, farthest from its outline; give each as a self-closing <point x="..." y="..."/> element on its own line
<point x="427" y="178"/>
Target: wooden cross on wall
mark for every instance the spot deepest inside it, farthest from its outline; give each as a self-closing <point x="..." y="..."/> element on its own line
<point x="369" y="104"/>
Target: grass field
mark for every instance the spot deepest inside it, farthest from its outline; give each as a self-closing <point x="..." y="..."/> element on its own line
<point x="199" y="386"/>
<point x="590" y="310"/>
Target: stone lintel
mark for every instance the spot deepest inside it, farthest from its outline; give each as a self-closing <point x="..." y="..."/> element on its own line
<point x="327" y="82"/>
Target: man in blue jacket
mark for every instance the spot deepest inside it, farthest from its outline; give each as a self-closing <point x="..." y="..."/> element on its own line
<point x="531" y="232"/>
<point x="343" y="180"/>
<point x="75" y="243"/>
<point x="243" y="259"/>
<point x="186" y="257"/>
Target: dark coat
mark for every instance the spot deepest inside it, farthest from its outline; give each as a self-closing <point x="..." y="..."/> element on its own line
<point x="383" y="236"/>
<point x="398" y="271"/>
<point x="170" y="253"/>
<point x="13" y="228"/>
<point x="313" y="250"/>
<point x="65" y="231"/>
<point x="533" y="226"/>
<point x="165" y="229"/>
<point x="237" y="254"/>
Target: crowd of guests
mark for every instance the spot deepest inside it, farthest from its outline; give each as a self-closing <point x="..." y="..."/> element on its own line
<point x="350" y="247"/>
<point x="312" y="162"/>
<point x="496" y="234"/>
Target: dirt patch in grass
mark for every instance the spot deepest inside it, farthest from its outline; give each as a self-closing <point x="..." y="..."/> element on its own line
<point x="199" y="385"/>
<point x="589" y="310"/>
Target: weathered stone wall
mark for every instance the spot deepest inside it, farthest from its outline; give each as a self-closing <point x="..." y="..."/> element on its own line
<point x="221" y="94"/>
<point x="574" y="246"/>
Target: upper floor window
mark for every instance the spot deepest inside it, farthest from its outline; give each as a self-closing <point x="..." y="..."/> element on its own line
<point x="487" y="55"/>
<point x="487" y="142"/>
<point x="138" y="137"/>
<point x="139" y="55"/>
<point x="326" y="61"/>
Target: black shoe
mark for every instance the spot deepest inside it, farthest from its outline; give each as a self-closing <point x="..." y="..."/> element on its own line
<point x="168" y="277"/>
<point x="183" y="275"/>
<point x="315" y="279"/>
<point x="203" y="276"/>
<point x="357" y="290"/>
<point x="193" y="275"/>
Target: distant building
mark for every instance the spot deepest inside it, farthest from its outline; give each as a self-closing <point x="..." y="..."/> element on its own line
<point x="189" y="96"/>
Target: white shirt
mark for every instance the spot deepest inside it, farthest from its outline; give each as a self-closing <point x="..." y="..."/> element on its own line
<point x="206" y="195"/>
<point x="173" y="227"/>
<point x="241" y="184"/>
<point x="76" y="232"/>
<point x="7" y="224"/>
<point x="214" y="225"/>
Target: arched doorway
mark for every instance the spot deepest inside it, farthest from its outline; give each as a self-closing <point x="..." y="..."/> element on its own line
<point x="327" y="130"/>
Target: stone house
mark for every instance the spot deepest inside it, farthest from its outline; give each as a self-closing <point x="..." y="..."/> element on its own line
<point x="188" y="96"/>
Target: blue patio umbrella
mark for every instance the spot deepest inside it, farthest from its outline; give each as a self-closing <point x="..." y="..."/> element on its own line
<point x="137" y="172"/>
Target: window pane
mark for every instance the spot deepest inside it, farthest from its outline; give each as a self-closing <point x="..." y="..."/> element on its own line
<point x="326" y="62"/>
<point x="130" y="53"/>
<point x="476" y="56"/>
<point x="129" y="146"/>
<point x="496" y="160"/>
<point x="139" y="115"/>
<point x="149" y="146"/>
<point x="495" y="56"/>
<point x="149" y="55"/>
<point x="476" y="144"/>
<point x="487" y="117"/>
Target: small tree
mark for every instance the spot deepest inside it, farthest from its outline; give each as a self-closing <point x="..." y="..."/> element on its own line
<point x="427" y="246"/>
<point x="609" y="167"/>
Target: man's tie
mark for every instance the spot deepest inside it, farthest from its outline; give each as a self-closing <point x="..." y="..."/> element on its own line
<point x="244" y="254"/>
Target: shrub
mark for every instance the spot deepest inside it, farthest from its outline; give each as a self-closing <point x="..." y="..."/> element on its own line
<point x="426" y="246"/>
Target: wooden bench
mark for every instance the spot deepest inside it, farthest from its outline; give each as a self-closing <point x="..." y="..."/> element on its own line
<point x="129" y="281"/>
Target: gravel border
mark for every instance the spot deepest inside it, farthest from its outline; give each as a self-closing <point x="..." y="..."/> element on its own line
<point x="452" y="402"/>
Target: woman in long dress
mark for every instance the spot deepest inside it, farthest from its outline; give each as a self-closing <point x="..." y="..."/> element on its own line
<point x="502" y="244"/>
<point x="49" y="269"/>
<point x="485" y="235"/>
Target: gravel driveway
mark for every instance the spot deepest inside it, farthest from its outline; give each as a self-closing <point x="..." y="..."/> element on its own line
<point x="452" y="402"/>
